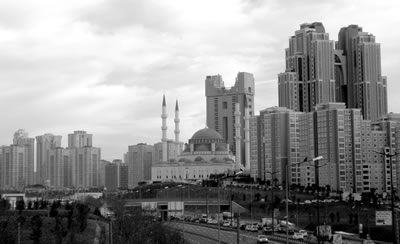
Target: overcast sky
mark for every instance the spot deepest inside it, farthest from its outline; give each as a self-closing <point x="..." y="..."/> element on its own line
<point x="103" y="66"/>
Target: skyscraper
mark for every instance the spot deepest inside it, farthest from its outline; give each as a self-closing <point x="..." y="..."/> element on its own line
<point x="140" y="158"/>
<point x="363" y="85"/>
<point x="309" y="77"/>
<point x="111" y="177"/>
<point x="221" y="110"/>
<point x="43" y="144"/>
<point x="21" y="139"/>
<point x="85" y="161"/>
<point x="13" y="165"/>
<point x="59" y="167"/>
<point x="123" y="176"/>
<point x="79" y="139"/>
<point x="280" y="134"/>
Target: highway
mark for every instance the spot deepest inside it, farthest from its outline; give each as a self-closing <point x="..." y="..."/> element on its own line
<point x="203" y="234"/>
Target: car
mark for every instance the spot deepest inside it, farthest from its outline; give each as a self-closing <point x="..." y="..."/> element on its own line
<point x="307" y="202"/>
<point x="268" y="230"/>
<point x="252" y="227"/>
<point x="297" y="236"/>
<point x="226" y="223"/>
<point x="304" y="233"/>
<point x="262" y="239"/>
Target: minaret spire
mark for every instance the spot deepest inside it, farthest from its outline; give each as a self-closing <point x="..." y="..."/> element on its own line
<point x="164" y="130"/>
<point x="247" y="138"/>
<point x="238" y="136"/>
<point x="177" y="131"/>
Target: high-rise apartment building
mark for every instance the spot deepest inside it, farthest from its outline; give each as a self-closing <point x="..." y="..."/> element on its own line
<point x="280" y="137"/>
<point x="59" y="171"/>
<point x="85" y="161"/>
<point x="338" y="140"/>
<point x="387" y="142"/>
<point x="222" y="113"/>
<point x="79" y="139"/>
<point x="43" y="144"/>
<point x="85" y="167"/>
<point x="123" y="176"/>
<point x="111" y="177"/>
<point x="21" y="139"/>
<point x="13" y="167"/>
<point x="358" y="67"/>
<point x="140" y="158"/>
<point x="309" y="77"/>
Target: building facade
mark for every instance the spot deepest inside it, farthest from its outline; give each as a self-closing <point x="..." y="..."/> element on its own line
<point x="111" y="177"/>
<point x="21" y="139"/>
<point x="140" y="159"/>
<point x="309" y="77"/>
<point x="363" y="85"/>
<point x="13" y="167"/>
<point x="123" y="182"/>
<point x="204" y="155"/>
<point x="43" y="144"/>
<point x="224" y="117"/>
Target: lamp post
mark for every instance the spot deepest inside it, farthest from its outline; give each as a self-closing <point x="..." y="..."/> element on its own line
<point x="317" y="166"/>
<point x="392" y="193"/>
<point x="183" y="211"/>
<point x="272" y="197"/>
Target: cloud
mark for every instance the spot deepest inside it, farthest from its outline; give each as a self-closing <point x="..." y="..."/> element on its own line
<point x="112" y="15"/>
<point x="102" y="66"/>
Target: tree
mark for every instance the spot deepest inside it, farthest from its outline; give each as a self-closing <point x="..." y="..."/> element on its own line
<point x="36" y="234"/>
<point x="53" y="210"/>
<point x="20" y="205"/>
<point x="133" y="227"/>
<point x="82" y="217"/>
<point x="97" y="212"/>
<point x="60" y="230"/>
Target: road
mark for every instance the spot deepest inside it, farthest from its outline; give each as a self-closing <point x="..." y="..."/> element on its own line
<point x="203" y="234"/>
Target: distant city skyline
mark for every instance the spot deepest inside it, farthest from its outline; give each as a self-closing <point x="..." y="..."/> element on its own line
<point x="103" y="67"/>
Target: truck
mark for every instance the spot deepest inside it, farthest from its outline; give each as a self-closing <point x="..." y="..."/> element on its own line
<point x="283" y="226"/>
<point x="267" y="222"/>
<point x="324" y="232"/>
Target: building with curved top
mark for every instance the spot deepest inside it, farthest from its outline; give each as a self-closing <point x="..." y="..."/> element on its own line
<point x="205" y="154"/>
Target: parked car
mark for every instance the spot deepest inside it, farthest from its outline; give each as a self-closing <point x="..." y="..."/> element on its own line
<point x="304" y="233"/>
<point x="297" y="236"/>
<point x="262" y="239"/>
<point x="252" y="228"/>
<point x="268" y="230"/>
<point x="226" y="223"/>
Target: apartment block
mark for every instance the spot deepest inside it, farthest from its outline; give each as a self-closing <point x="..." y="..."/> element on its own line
<point x="221" y="102"/>
<point x="140" y="158"/>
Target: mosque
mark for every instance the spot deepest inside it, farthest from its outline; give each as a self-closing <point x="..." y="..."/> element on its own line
<point x="206" y="153"/>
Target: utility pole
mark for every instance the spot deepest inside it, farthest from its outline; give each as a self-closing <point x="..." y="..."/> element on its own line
<point x="392" y="193"/>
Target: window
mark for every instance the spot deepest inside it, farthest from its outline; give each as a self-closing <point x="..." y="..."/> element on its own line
<point x="224" y="105"/>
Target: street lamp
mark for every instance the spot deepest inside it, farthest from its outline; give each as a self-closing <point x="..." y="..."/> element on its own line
<point x="272" y="197"/>
<point x="392" y="193"/>
<point x="183" y="210"/>
<point x="315" y="160"/>
<point x="219" y="204"/>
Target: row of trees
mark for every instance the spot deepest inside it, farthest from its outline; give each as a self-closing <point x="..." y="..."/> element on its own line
<point x="65" y="223"/>
<point x="134" y="227"/>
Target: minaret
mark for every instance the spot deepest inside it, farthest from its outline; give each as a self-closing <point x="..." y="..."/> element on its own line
<point x="164" y="131"/>
<point x="177" y="131"/>
<point x="247" y="137"/>
<point x="237" y="134"/>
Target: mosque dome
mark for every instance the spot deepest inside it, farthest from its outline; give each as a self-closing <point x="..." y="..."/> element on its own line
<point x="206" y="134"/>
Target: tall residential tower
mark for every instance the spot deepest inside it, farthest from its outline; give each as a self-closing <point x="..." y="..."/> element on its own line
<point x="362" y="84"/>
<point x="221" y="107"/>
<point x="309" y="77"/>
